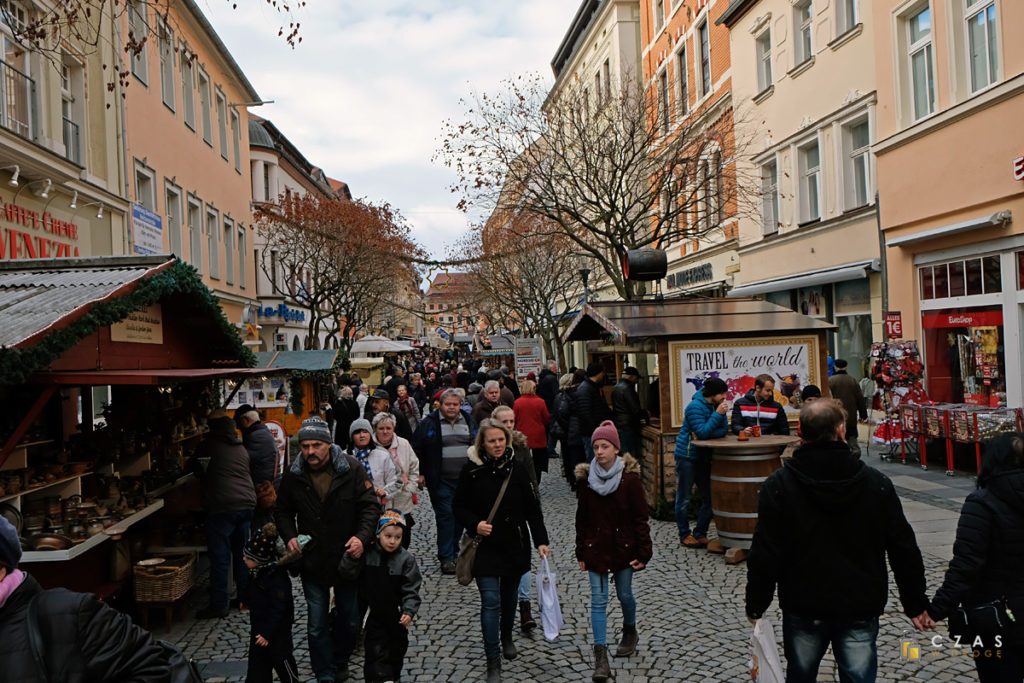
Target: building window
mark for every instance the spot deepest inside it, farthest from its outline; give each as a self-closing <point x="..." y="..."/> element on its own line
<point x="981" y="34"/>
<point x="802" y="20"/>
<point x="849" y="16"/>
<point x="222" y="123"/>
<point x="204" y="107"/>
<point x="17" y="108"/>
<point x="606" y="74"/>
<point x="236" y="139"/>
<point x="195" y="233"/>
<point x="138" y="29"/>
<point x="145" y="187"/>
<point x="172" y="206"/>
<point x="770" y="198"/>
<point x="857" y="145"/>
<point x="704" y="40"/>
<point x="273" y="271"/>
<point x="72" y="107"/>
<point x="684" y="90"/>
<point x="242" y="249"/>
<point x="663" y="101"/>
<point x="967" y="277"/>
<point x="213" y="241"/>
<point x="713" y="191"/>
<point x="597" y="89"/>
<point x="266" y="182"/>
<point x="188" y="88"/>
<point x="166" y="44"/>
<point x="229" y="251"/>
<point x="659" y="13"/>
<point x="764" y="60"/>
<point x="810" y="172"/>
<point x="922" y="75"/>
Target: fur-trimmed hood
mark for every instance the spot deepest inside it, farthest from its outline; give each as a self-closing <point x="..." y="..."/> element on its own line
<point x="518" y="441"/>
<point x="629" y="463"/>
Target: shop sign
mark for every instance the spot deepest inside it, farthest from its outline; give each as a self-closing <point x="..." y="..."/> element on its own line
<point x="893" y="325"/>
<point x="975" y="319"/>
<point x="691" y="276"/>
<point x="145" y="326"/>
<point x="19" y="244"/>
<point x="282" y="312"/>
<point x="1018" y="168"/>
<point x="147" y="231"/>
<point x="280" y="435"/>
<point x="528" y="356"/>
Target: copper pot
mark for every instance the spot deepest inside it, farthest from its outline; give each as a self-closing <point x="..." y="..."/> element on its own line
<point x="50" y="542"/>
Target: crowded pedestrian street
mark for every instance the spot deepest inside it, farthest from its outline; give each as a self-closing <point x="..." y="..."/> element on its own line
<point x="690" y="606"/>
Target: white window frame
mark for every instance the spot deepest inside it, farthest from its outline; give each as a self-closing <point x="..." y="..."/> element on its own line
<point x="606" y="76"/>
<point x="165" y="48"/>
<point x="196" y="221"/>
<point x="925" y="46"/>
<point x="992" y="42"/>
<point x="807" y="173"/>
<point x="213" y="240"/>
<point x="597" y="89"/>
<point x="138" y="26"/>
<point x="664" y="115"/>
<point x="188" y="87"/>
<point x="763" y="50"/>
<point x="702" y="38"/>
<point x="803" y="31"/>
<point x="847" y="16"/>
<point x="242" y="255"/>
<point x="770" y="218"/>
<point x="173" y="213"/>
<point x="228" y="228"/>
<point x="73" y="106"/>
<point x="683" y="79"/>
<point x="222" y="122"/>
<point x="236" y="138"/>
<point x="145" y="195"/>
<point x="851" y="172"/>
<point x="206" y="105"/>
<point x="659" y="14"/>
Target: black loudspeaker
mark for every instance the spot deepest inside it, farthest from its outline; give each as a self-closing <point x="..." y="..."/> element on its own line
<point x="644" y="265"/>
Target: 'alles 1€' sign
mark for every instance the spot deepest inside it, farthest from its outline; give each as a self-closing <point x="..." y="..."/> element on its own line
<point x="282" y="312"/>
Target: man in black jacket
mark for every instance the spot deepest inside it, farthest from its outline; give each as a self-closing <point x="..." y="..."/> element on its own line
<point x="380" y="402"/>
<point x="547" y="384"/>
<point x="591" y="408"/>
<point x="326" y="496"/>
<point x="627" y="413"/>
<point x="258" y="442"/>
<point x="80" y="638"/>
<point x="760" y="408"/>
<point x="825" y="524"/>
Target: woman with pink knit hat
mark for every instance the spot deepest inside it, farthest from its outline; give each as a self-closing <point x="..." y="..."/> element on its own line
<point x="612" y="537"/>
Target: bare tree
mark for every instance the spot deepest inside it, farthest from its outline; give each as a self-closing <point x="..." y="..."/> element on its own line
<point x="611" y="175"/>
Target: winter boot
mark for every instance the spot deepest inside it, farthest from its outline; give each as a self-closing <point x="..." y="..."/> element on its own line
<point x="508" y="648"/>
<point x="526" y="622"/>
<point x="602" y="672"/>
<point x="494" y="670"/>
<point x="627" y="645"/>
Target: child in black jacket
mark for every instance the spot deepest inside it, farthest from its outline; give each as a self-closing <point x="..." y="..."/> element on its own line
<point x="271" y="611"/>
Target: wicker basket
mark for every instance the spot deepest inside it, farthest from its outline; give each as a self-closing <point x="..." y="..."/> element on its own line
<point x="165" y="582"/>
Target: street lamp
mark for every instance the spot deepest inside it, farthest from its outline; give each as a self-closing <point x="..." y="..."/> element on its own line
<point x="585" y="275"/>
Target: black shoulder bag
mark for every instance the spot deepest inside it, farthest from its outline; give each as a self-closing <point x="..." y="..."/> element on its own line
<point x="467" y="549"/>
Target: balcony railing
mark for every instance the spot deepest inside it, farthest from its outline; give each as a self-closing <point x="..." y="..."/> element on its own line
<point x="17" y="102"/>
<point x="71" y="147"/>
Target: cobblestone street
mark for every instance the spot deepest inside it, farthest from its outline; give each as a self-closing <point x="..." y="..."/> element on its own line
<point x="690" y="612"/>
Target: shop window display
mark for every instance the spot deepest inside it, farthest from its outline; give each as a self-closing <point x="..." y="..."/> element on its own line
<point x="968" y="277"/>
<point x="965" y="356"/>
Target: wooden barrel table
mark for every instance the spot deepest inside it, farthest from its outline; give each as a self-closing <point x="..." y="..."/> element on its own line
<point x="738" y="469"/>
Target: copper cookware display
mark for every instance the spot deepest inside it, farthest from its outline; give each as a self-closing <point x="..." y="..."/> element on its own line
<point x="50" y="542"/>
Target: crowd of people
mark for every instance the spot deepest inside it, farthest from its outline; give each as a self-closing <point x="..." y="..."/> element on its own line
<point x="341" y="518"/>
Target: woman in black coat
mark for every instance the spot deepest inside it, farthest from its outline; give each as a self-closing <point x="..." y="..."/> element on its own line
<point x="504" y="552"/>
<point x="985" y="579"/>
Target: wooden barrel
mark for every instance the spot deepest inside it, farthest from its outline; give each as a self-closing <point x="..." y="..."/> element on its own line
<point x="736" y="477"/>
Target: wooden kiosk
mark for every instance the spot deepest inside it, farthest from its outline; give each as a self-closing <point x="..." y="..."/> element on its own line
<point x="678" y="343"/>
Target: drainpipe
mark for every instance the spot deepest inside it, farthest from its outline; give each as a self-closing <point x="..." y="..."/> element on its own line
<point x="124" y="125"/>
<point x="882" y="261"/>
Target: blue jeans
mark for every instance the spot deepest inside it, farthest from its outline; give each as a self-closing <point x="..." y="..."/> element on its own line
<point x="853" y="645"/>
<point x="599" y="602"/>
<point x="690" y="471"/>
<point x="226" y="533"/>
<point x="331" y="638"/>
<point x="497" y="610"/>
<point x="524" y="587"/>
<point x="449" y="531"/>
<point x="588" y="448"/>
<point x="629" y="443"/>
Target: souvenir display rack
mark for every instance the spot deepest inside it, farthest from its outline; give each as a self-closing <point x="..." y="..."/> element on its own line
<point x="897" y="370"/>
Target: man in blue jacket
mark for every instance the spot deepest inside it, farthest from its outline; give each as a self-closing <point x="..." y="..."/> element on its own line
<point x="704" y="418"/>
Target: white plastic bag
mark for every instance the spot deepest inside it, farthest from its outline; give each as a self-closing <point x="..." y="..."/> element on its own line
<point x="547" y="596"/>
<point x="765" y="665"/>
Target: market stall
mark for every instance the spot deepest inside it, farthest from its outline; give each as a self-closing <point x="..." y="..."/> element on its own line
<point x="108" y="367"/>
<point x="679" y="343"/>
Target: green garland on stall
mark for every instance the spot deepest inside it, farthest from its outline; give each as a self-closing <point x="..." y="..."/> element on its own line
<point x="17" y="364"/>
<point x="297" y="393"/>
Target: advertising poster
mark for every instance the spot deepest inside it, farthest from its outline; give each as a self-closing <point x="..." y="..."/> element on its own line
<point x="528" y="357"/>
<point x="147" y="231"/>
<point x="793" y="363"/>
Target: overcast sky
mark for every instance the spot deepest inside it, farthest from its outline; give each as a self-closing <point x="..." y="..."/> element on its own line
<point x="363" y="96"/>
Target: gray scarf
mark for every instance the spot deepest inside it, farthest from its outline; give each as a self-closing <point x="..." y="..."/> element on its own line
<point x="605" y="482"/>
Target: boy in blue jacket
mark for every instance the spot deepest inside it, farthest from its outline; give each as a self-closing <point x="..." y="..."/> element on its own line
<point x="704" y="418"/>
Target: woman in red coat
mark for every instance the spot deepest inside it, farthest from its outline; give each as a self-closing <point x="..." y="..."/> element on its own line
<point x="532" y="419"/>
<point x="612" y="537"/>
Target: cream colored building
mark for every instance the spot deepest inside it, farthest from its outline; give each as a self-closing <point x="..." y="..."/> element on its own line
<point x="62" y="163"/>
<point x="804" y="84"/>
<point x="950" y="151"/>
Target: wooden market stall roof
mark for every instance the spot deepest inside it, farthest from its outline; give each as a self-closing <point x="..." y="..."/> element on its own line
<point x="689" y="317"/>
<point x="308" y="361"/>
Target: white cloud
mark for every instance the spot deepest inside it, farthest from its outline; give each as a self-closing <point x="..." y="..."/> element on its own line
<point x="365" y="93"/>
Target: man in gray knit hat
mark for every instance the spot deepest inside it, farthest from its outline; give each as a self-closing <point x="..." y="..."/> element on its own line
<point x="327" y="496"/>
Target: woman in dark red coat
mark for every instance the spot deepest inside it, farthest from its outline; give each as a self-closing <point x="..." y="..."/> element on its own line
<point x="532" y="419"/>
<point x="612" y="537"/>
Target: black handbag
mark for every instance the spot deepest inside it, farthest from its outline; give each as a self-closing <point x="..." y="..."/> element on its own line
<point x="988" y="618"/>
<point x="467" y="549"/>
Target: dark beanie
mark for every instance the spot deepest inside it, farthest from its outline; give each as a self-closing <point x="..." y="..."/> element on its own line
<point x="809" y="392"/>
<point x="714" y="386"/>
<point x="10" y="545"/>
<point x="315" y="429"/>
